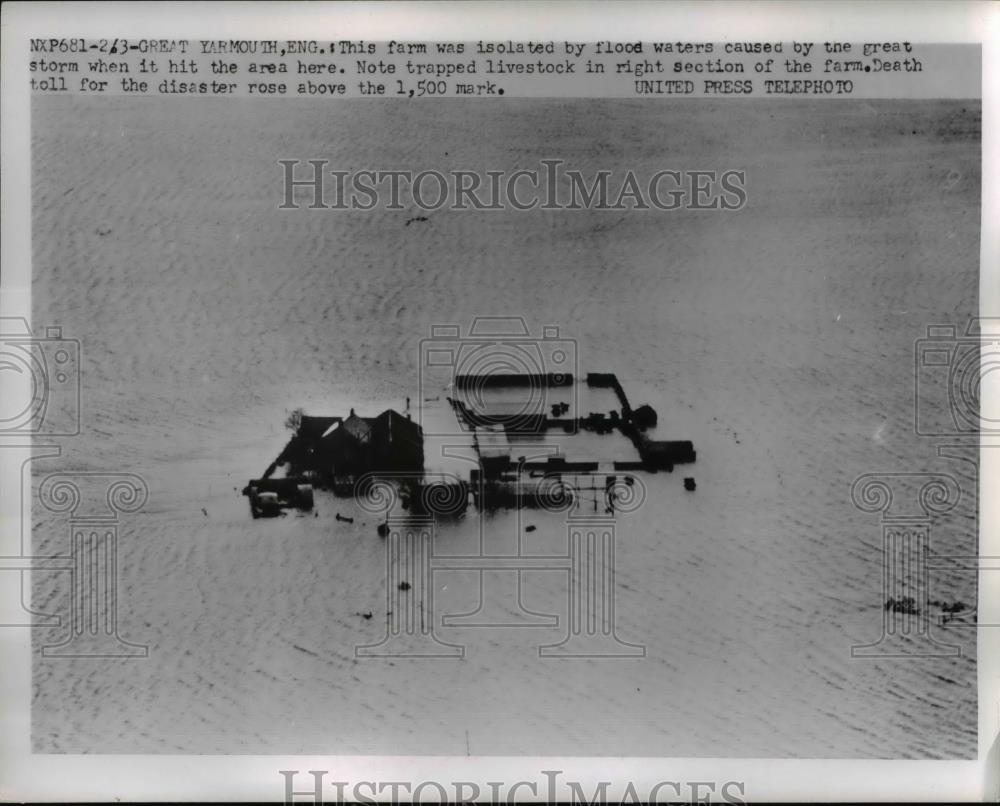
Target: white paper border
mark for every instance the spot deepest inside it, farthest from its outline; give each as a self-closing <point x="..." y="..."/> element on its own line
<point x="24" y="776"/>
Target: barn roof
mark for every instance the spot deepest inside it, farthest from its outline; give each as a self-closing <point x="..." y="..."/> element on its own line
<point x="396" y="426"/>
<point x="358" y="427"/>
<point x="312" y="428"/>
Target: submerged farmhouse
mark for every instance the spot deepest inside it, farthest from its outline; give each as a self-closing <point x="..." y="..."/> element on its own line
<point x="501" y="418"/>
<point x="336" y="450"/>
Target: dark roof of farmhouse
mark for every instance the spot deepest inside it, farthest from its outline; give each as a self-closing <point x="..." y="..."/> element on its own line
<point x="312" y="428"/>
<point x="390" y="424"/>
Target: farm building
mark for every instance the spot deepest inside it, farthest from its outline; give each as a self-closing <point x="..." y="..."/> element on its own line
<point x="335" y="448"/>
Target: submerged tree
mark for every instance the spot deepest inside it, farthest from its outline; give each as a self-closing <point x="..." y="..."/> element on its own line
<point x="294" y="420"/>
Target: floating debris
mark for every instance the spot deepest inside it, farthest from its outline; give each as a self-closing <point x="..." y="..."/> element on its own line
<point x="529" y="528"/>
<point x="268" y="497"/>
<point x="689" y="484"/>
<point x="344" y="518"/>
<point x="404" y="586"/>
<point x="951" y="610"/>
<point x="645" y="417"/>
<point x="905" y="604"/>
<point x="949" y="607"/>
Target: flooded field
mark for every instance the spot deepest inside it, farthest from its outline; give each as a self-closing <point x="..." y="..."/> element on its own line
<point x="778" y="338"/>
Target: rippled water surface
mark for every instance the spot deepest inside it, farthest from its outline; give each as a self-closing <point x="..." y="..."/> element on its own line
<point x="778" y="338"/>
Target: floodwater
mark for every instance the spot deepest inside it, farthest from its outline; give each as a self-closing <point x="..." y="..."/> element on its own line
<point x="779" y="338"/>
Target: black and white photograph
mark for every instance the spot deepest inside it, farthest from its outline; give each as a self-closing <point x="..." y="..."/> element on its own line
<point x="405" y="423"/>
